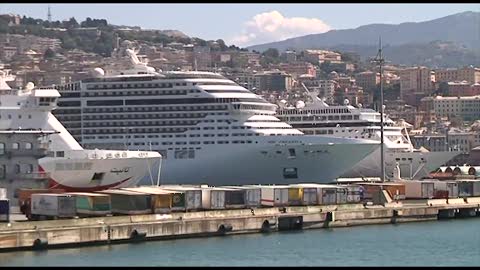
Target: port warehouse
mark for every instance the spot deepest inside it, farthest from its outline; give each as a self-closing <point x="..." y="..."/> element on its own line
<point x="39" y="204"/>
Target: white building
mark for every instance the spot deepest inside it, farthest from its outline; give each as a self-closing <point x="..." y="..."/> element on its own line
<point x="467" y="108"/>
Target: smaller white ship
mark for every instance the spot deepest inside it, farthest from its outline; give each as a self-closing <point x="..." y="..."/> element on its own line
<point x="345" y="121"/>
<point x="68" y="165"/>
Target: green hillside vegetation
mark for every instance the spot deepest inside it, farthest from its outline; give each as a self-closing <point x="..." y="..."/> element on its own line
<point x="103" y="44"/>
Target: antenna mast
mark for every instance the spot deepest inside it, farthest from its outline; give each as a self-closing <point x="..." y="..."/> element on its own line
<point x="380" y="61"/>
<point x="49" y="14"/>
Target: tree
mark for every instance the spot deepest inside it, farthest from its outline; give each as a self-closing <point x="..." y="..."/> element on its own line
<point x="222" y="44"/>
<point x="442" y="89"/>
<point x="72" y="23"/>
<point x="68" y="43"/>
<point x="271" y="52"/>
<point x="49" y="53"/>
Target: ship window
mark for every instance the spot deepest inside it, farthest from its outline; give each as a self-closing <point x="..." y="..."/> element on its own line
<point x="290" y="173"/>
<point x="2" y="148"/>
<point x="15" y="145"/>
<point x="29" y="168"/>
<point x="291" y="152"/>
<point x="17" y="168"/>
<point x="28" y="145"/>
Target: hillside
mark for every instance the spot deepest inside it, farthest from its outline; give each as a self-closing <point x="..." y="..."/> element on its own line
<point x="445" y="29"/>
<point x="406" y="43"/>
<point x="95" y="35"/>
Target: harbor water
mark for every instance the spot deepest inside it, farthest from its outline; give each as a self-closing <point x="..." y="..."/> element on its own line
<point x="436" y="243"/>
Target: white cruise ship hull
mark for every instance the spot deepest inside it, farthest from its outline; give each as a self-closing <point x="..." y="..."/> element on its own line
<point x="87" y="175"/>
<point x="265" y="163"/>
<point x="413" y="165"/>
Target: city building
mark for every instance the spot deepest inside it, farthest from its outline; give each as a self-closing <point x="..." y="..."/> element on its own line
<point x="432" y="142"/>
<point x="275" y="81"/>
<point x="367" y="80"/>
<point x="415" y="83"/>
<point x="465" y="108"/>
<point x="297" y="69"/>
<point x="459" y="140"/>
<point x="321" y="56"/>
<point x="463" y="88"/>
<point x="19" y="154"/>
<point x="469" y="74"/>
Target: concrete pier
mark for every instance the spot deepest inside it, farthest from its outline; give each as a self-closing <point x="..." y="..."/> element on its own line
<point x="119" y="229"/>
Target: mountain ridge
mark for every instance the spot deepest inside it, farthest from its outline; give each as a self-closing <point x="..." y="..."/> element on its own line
<point x="393" y="34"/>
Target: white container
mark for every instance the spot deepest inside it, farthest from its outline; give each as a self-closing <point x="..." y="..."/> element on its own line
<point x="213" y="198"/>
<point x="193" y="196"/>
<point x="310" y="196"/>
<point x="253" y="195"/>
<point x="53" y="205"/>
<point x="3" y="193"/>
<point x="274" y="195"/>
<point x="419" y="189"/>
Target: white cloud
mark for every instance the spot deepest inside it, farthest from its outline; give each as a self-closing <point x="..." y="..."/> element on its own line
<point x="273" y="26"/>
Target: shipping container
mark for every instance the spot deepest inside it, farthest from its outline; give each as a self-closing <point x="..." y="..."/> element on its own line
<point x="355" y="194"/>
<point x="325" y="194"/>
<point x="450" y="186"/>
<point x="342" y="194"/>
<point x="24" y="197"/>
<point x="161" y="200"/>
<point x="192" y="196"/>
<point x="468" y="188"/>
<point x="252" y="195"/>
<point x="234" y="198"/>
<point x="4" y="210"/>
<point x="128" y="202"/>
<point x="92" y="204"/>
<point x="309" y="194"/>
<point x="395" y="190"/>
<point x="3" y="193"/>
<point x="295" y="195"/>
<point x="274" y="195"/>
<point x="222" y="198"/>
<point x="53" y="205"/>
<point x="419" y="189"/>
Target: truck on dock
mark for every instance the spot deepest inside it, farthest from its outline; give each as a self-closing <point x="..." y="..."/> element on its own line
<point x="52" y="206"/>
<point x="24" y="198"/>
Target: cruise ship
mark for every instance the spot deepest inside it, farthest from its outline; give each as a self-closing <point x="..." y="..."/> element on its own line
<point x="208" y="129"/>
<point x="67" y="164"/>
<point x="315" y="117"/>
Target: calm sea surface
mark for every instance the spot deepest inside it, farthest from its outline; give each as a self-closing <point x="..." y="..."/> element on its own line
<point x="436" y="243"/>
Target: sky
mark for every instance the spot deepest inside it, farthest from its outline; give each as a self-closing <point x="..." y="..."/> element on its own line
<point x="243" y="24"/>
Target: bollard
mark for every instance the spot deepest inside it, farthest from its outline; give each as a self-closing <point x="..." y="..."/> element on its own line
<point x="40" y="243"/>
